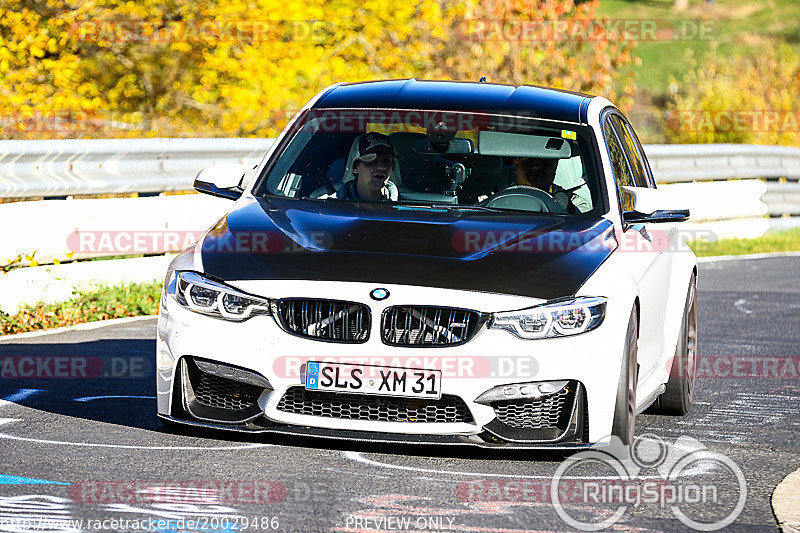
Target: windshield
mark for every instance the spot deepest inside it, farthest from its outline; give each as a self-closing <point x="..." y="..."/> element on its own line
<point x="460" y="160"/>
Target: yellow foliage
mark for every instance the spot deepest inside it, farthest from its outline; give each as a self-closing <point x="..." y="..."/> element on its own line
<point x="109" y="68"/>
<point x="739" y="100"/>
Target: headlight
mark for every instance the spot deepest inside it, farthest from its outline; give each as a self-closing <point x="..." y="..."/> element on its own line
<point x="212" y="298"/>
<point x="556" y="319"/>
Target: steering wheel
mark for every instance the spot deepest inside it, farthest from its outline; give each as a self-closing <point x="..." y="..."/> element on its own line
<point x="524" y="198"/>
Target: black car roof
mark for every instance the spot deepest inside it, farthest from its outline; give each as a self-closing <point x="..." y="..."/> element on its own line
<point x="524" y="100"/>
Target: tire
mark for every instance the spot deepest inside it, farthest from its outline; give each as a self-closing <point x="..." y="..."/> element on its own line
<point x="624" y="424"/>
<point x="677" y="397"/>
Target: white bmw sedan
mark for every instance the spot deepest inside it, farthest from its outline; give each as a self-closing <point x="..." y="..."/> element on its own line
<point x="435" y="262"/>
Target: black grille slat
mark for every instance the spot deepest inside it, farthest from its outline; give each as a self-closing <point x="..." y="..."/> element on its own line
<point x="331" y="331"/>
<point x="214" y="391"/>
<point x="395" y="317"/>
<point x="448" y="409"/>
<point x="451" y="320"/>
<point x="539" y="413"/>
<point x="424" y="326"/>
<point x="360" y="323"/>
<point x="407" y="330"/>
<point x="325" y="319"/>
<point x="428" y="326"/>
<point x="345" y="333"/>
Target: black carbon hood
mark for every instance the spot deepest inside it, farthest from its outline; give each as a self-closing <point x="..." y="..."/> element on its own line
<point x="536" y="255"/>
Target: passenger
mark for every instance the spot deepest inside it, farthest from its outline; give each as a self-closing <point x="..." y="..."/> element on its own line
<point x="372" y="167"/>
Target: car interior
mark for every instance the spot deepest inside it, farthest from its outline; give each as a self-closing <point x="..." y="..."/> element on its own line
<point x="461" y="172"/>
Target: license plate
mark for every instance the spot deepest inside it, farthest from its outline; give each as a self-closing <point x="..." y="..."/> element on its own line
<point x="377" y="380"/>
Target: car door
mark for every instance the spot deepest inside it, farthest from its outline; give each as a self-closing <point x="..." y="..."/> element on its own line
<point x="643" y="245"/>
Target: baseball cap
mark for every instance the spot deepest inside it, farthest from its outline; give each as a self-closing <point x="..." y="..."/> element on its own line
<point x="371" y="145"/>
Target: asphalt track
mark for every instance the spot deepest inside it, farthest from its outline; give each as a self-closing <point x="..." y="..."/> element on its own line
<point x="92" y="448"/>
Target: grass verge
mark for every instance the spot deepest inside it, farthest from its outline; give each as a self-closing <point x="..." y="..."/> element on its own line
<point x="733" y="27"/>
<point x="134" y="299"/>
<point x="780" y="241"/>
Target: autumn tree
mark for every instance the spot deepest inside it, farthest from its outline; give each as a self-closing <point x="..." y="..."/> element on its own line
<point x="242" y="67"/>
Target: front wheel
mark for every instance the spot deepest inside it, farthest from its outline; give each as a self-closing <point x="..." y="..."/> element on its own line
<point x="625" y="409"/>
<point x="677" y="397"/>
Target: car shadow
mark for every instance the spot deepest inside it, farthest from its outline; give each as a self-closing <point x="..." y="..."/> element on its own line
<point x="113" y="381"/>
<point x="108" y="380"/>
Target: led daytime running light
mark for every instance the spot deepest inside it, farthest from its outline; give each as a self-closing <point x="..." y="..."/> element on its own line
<point x="557" y="319"/>
<point x="212" y="298"/>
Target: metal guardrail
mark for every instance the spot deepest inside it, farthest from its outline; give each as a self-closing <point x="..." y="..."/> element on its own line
<point x="782" y="199"/>
<point x="97" y="166"/>
<point x="684" y="163"/>
<point x="673" y="163"/>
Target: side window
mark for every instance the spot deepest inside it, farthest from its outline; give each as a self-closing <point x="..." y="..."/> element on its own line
<point x="622" y="174"/>
<point x="639" y="176"/>
<point x="651" y="180"/>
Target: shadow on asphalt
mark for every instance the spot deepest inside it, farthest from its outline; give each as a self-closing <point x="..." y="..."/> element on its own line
<point x="67" y="379"/>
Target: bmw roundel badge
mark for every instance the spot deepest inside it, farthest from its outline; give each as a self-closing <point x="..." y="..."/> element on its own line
<point x="379" y="294"/>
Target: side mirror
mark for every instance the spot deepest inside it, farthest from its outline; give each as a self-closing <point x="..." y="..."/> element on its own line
<point x="663" y="215"/>
<point x="653" y="205"/>
<point x="223" y="180"/>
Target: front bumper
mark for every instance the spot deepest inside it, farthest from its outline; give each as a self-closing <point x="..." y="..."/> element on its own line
<point x="590" y="362"/>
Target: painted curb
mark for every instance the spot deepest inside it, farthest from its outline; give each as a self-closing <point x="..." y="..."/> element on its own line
<point x="57" y="283"/>
<point x="786" y="503"/>
<point x="85" y="326"/>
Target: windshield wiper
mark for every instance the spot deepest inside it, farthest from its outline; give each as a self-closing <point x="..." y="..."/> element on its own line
<point x="448" y="207"/>
<point x="457" y="207"/>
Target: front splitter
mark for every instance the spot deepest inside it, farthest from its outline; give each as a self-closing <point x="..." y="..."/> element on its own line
<point x="370" y="437"/>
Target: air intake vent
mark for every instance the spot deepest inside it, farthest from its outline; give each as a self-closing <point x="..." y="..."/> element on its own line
<point x="327" y="320"/>
<point x="211" y="397"/>
<point x="548" y="412"/>
<point x="428" y="326"/>
<point x="448" y="409"/>
<point x="553" y="417"/>
<point x="223" y="393"/>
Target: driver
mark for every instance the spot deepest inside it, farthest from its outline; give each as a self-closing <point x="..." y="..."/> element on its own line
<point x="535" y="172"/>
<point x="541" y="174"/>
<point x="372" y="167"/>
